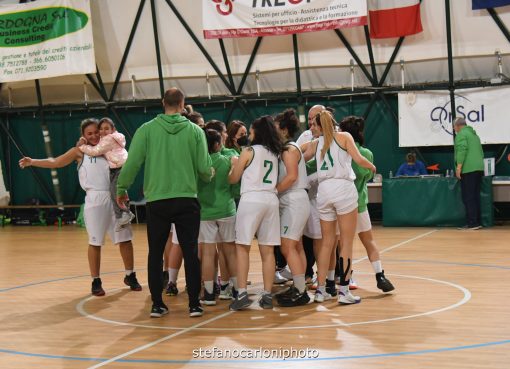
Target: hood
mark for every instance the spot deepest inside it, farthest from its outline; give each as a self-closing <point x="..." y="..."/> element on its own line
<point x="172" y="124"/>
<point x="468" y="130"/>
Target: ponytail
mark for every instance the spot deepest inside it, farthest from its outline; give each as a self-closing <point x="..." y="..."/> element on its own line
<point x="328" y="131"/>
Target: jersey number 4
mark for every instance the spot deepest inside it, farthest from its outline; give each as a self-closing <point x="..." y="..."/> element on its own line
<point x="268" y="163"/>
<point x="324" y="163"/>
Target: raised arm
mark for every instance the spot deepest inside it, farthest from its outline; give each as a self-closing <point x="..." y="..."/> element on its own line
<point x="61" y="161"/>
<point x="107" y="143"/>
<point x="290" y="158"/>
<point x="239" y="164"/>
<point x="353" y="151"/>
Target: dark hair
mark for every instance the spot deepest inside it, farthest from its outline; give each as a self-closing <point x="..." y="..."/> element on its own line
<point x="87" y="122"/>
<point x="232" y="129"/>
<point x="330" y="109"/>
<point x="194" y="117"/>
<point x="173" y="97"/>
<point x="266" y="135"/>
<point x="288" y="119"/>
<point x="411" y="157"/>
<point x="213" y="137"/>
<point x="217" y="125"/>
<point x="106" y="120"/>
<point x="355" y="126"/>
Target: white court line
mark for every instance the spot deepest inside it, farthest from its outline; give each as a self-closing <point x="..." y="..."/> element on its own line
<point x="166" y="338"/>
<point x="153" y="343"/>
<point x="398" y="245"/>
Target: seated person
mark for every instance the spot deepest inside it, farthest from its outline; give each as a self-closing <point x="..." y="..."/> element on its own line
<point x="411" y="167"/>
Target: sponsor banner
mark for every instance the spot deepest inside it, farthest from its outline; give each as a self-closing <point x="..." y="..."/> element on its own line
<point x="46" y="38"/>
<point x="254" y="18"/>
<point x="425" y="118"/>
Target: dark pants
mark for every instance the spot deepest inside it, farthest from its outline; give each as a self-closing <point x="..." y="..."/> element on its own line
<point x="310" y="257"/>
<point x="114" y="176"/>
<point x="185" y="214"/>
<point x="470" y="184"/>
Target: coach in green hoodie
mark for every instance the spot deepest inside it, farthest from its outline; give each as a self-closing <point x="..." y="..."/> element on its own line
<point x="469" y="169"/>
<point x="174" y="152"/>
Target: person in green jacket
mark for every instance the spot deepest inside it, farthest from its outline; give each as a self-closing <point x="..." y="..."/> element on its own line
<point x="354" y="126"/>
<point x="469" y="169"/>
<point x="174" y="152"/>
<point x="217" y="220"/>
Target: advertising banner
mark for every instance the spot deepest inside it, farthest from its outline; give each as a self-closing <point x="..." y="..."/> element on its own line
<point x="254" y="18"/>
<point x="44" y="39"/>
<point x="425" y="118"/>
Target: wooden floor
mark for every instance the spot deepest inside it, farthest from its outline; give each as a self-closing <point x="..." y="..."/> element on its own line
<point x="450" y="309"/>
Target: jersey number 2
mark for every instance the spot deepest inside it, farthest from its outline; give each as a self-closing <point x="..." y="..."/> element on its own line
<point x="268" y="163"/>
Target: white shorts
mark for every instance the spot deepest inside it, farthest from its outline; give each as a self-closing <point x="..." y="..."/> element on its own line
<point x="313" y="225"/>
<point x="364" y="224"/>
<point x="294" y="214"/>
<point x="258" y="214"/>
<point x="100" y="219"/>
<point x="219" y="230"/>
<point x="336" y="197"/>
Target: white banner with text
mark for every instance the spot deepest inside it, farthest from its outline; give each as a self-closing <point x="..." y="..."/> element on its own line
<point x="425" y="118"/>
<point x="44" y="39"/>
<point x="254" y="18"/>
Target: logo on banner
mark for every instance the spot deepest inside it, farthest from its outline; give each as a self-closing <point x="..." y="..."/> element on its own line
<point x="465" y="108"/>
<point x="224" y="7"/>
<point x="32" y="27"/>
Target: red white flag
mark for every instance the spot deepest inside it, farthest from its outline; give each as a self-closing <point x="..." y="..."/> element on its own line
<point x="394" y="18"/>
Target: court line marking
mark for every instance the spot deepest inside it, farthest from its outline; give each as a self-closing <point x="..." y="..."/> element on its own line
<point x="394" y="354"/>
<point x="398" y="245"/>
<point x="154" y="343"/>
<point x="466" y="297"/>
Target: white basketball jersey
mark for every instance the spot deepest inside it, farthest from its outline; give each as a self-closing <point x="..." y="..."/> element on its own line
<point x="94" y="173"/>
<point x="301" y="182"/>
<point x="336" y="163"/>
<point x="262" y="173"/>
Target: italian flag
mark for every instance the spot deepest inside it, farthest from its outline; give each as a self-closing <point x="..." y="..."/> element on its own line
<point x="394" y="18"/>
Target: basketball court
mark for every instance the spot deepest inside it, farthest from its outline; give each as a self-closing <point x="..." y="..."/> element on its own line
<point x="449" y="309"/>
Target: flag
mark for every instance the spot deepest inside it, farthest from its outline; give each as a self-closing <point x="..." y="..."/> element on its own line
<point x="484" y="4"/>
<point x="394" y="18"/>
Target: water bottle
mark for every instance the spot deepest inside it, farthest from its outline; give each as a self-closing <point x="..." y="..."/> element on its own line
<point x="391" y="174"/>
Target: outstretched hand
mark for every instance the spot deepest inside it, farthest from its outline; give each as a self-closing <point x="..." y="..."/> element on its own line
<point x="25" y="162"/>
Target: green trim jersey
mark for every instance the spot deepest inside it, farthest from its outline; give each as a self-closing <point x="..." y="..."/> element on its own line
<point x="336" y="163"/>
<point x="301" y="182"/>
<point x="261" y="174"/>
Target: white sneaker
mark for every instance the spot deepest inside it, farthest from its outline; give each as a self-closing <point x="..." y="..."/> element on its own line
<point x="348" y="298"/>
<point x="286" y="273"/>
<point x="321" y="296"/>
<point x="124" y="220"/>
<point x="226" y="292"/>
<point x="278" y="278"/>
<point x="353" y="285"/>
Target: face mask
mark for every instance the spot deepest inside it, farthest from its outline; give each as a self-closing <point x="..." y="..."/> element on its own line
<point x="242" y="141"/>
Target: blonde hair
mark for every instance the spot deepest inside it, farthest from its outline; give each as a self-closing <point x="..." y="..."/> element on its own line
<point x="328" y="130"/>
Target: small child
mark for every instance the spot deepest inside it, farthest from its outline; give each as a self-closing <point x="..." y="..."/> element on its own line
<point x="112" y="145"/>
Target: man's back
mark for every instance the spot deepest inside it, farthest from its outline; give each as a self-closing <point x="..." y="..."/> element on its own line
<point x="175" y="154"/>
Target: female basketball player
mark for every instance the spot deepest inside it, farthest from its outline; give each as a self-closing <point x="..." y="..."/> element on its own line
<point x="94" y="176"/>
<point x="354" y="126"/>
<point x="294" y="207"/>
<point x="258" y="208"/>
<point x="337" y="200"/>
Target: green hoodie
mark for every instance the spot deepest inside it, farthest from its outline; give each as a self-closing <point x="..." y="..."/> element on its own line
<point x="174" y="151"/>
<point x="363" y="175"/>
<point x="468" y="150"/>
